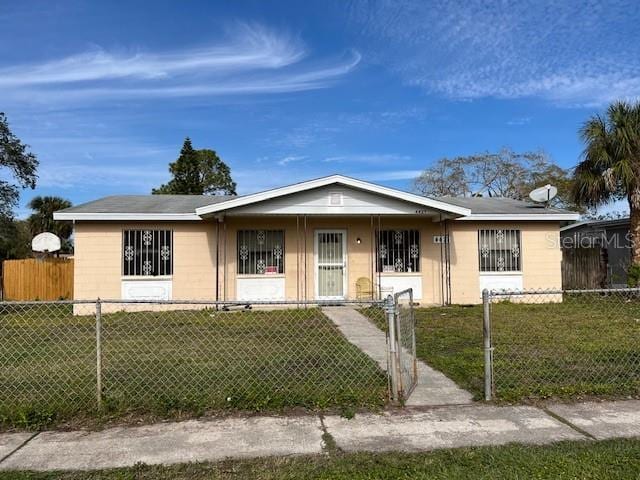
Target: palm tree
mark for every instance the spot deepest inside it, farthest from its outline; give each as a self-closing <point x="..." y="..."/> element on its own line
<point x="41" y="220"/>
<point x="610" y="169"/>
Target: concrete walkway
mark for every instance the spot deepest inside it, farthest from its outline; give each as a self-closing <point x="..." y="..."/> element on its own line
<point x="417" y="430"/>
<point x="433" y="388"/>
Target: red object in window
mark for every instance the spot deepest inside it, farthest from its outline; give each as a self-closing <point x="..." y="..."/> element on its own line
<point x="271" y="270"/>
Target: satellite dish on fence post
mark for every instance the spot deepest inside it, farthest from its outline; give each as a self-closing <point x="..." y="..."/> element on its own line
<point x="45" y="242"/>
<point x="543" y="194"/>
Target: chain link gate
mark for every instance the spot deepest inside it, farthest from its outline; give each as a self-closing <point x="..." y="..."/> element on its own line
<point x="401" y="338"/>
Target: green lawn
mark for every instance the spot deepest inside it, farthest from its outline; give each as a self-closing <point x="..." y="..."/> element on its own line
<point x="619" y="459"/>
<point x="450" y="340"/>
<point x="177" y="363"/>
<point x="584" y="346"/>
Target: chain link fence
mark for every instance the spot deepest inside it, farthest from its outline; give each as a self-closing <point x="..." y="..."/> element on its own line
<point x="406" y="343"/>
<point x="60" y="359"/>
<point x="574" y="343"/>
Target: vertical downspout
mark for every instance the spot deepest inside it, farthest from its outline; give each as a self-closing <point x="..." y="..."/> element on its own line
<point x="306" y="296"/>
<point x="379" y="270"/>
<point x="442" y="277"/>
<point x="224" y="259"/>
<point x="217" y="262"/>
<point x="298" y="258"/>
<point x="447" y="249"/>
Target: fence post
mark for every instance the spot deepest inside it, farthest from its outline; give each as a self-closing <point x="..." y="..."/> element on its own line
<point x="390" y="310"/>
<point x="488" y="347"/>
<point x="99" y="352"/>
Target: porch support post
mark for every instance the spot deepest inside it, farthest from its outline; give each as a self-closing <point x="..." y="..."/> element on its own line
<point x="374" y="258"/>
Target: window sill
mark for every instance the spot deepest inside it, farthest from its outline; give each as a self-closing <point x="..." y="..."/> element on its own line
<point x="146" y="277"/>
<point x="501" y="273"/>
<point x="260" y="275"/>
<point x="400" y="274"/>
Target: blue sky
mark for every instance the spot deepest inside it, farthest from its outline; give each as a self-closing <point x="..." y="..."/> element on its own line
<point x="105" y="92"/>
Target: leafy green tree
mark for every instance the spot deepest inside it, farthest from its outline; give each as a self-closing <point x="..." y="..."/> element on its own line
<point x="610" y="168"/>
<point x="41" y="220"/>
<point x="198" y="172"/>
<point x="503" y="174"/>
<point x="22" y="165"/>
<point x="15" y="239"/>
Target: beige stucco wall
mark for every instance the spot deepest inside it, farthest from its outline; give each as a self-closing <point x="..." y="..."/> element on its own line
<point x="98" y="259"/>
<point x="98" y="255"/>
<point x="541" y="256"/>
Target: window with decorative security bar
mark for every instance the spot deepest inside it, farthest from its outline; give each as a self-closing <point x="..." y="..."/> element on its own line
<point x="147" y="252"/>
<point x="499" y="250"/>
<point x="260" y="252"/>
<point x="398" y="250"/>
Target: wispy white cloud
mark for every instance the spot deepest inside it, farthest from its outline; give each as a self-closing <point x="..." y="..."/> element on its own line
<point x="377" y="158"/>
<point x="252" y="60"/>
<point x="322" y="127"/>
<point x="86" y="175"/>
<point x="250" y="48"/>
<point x="290" y="159"/>
<point x="568" y="52"/>
<point x="519" y="121"/>
<point x="388" y="175"/>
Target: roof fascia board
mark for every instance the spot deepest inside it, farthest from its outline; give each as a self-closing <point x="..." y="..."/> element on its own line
<point x="521" y="216"/>
<point x="571" y="226"/>
<point x="335" y="179"/>
<point x="126" y="216"/>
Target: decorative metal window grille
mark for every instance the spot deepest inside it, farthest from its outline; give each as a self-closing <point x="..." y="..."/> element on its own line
<point x="147" y="252"/>
<point x="260" y="252"/>
<point x="398" y="250"/>
<point x="499" y="250"/>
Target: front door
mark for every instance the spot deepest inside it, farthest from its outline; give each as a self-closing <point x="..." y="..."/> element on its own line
<point x="331" y="264"/>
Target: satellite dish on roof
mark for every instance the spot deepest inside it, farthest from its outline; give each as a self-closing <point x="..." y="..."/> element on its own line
<point x="543" y="194"/>
<point x="45" y="242"/>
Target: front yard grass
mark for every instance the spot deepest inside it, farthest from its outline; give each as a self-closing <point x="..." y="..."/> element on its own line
<point x="169" y="364"/>
<point x="586" y="345"/>
<point x="618" y="459"/>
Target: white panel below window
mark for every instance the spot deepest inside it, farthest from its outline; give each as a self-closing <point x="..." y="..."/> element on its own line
<point x="397" y="283"/>
<point x="262" y="288"/>
<point x="146" y="289"/>
<point x="500" y="282"/>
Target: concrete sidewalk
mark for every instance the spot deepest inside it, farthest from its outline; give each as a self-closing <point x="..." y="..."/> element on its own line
<point x="212" y="440"/>
<point x="433" y="388"/>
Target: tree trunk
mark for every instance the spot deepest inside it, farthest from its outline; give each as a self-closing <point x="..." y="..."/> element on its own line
<point x="634" y="225"/>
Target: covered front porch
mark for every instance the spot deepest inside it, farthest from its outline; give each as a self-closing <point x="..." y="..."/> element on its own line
<point x="330" y="239"/>
<point x="325" y="258"/>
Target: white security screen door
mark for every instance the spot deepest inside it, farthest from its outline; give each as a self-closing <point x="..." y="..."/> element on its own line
<point x="331" y="264"/>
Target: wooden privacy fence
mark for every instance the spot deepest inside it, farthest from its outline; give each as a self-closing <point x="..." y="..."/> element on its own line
<point x="584" y="268"/>
<point x="37" y="279"/>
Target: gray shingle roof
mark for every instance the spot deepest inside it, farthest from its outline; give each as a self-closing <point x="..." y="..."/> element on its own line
<point x="147" y="204"/>
<point x="186" y="204"/>
<point x="499" y="205"/>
